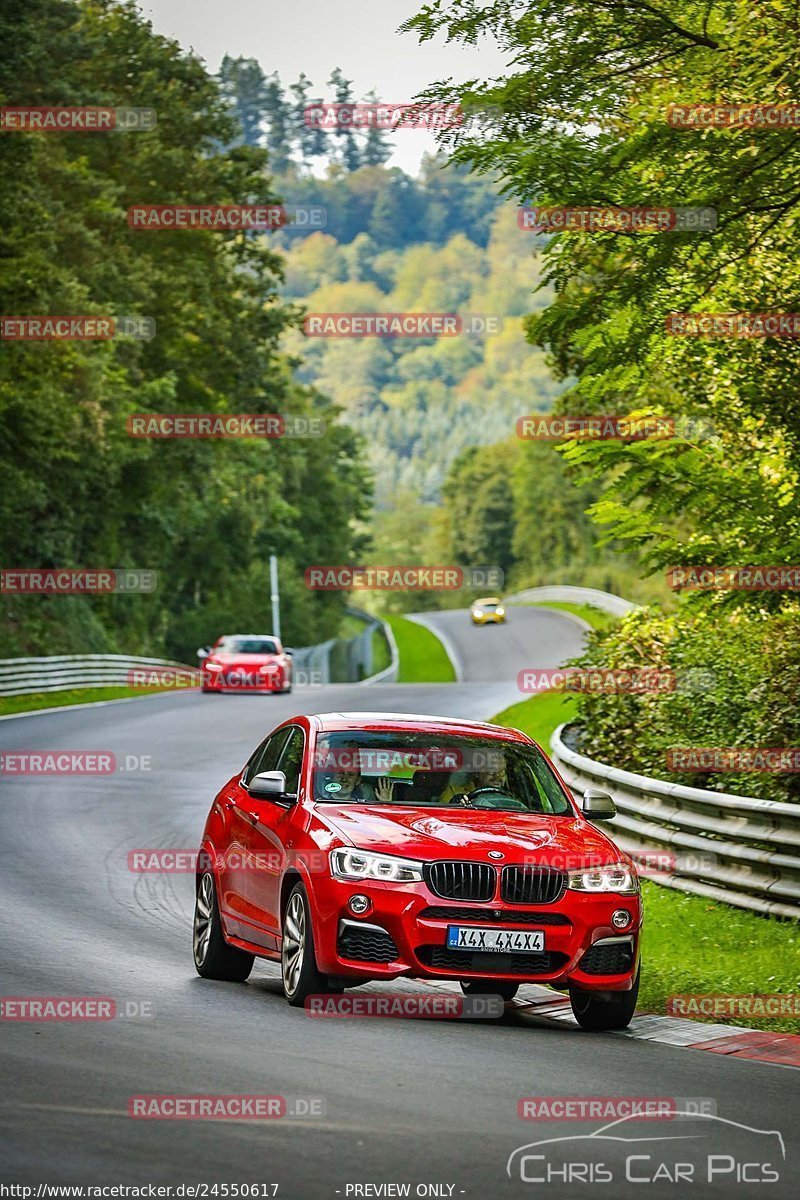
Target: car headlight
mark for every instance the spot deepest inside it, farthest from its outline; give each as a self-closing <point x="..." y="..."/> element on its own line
<point x="212" y="666"/>
<point x="615" y="877"/>
<point x="501" y="612"/>
<point x="363" y="864"/>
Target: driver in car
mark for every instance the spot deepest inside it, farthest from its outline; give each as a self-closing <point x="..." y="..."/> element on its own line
<point x="493" y="777"/>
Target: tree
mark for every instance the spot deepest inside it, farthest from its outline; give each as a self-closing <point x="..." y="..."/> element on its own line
<point x="309" y="138"/>
<point x="480" y="507"/>
<point x="243" y="84"/>
<point x="280" y="126"/>
<point x="203" y="514"/>
<point x="348" y="152"/>
<point x="376" y="148"/>
<point x="583" y="120"/>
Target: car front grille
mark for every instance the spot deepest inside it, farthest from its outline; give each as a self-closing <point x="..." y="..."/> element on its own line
<point x="532" y="885"/>
<point x="496" y="915"/>
<point x="460" y="880"/>
<point x="609" y="958"/>
<point x="366" y="943"/>
<point x="474" y="962"/>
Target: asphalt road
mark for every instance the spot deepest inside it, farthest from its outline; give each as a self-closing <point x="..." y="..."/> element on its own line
<point x="419" y="1102"/>
<point x="531" y="638"/>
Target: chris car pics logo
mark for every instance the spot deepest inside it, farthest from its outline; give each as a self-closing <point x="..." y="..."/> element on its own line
<point x="698" y="1148"/>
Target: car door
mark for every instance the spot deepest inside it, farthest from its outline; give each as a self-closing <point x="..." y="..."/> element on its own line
<point x="237" y="866"/>
<point x="270" y="828"/>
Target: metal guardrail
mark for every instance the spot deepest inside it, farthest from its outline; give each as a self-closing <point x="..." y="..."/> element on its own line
<point x="313" y="663"/>
<point x="62" y="672"/>
<point x="738" y="849"/>
<point x="346" y="660"/>
<point x="606" y="601"/>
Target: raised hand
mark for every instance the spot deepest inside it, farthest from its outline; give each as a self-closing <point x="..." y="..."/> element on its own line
<point x="384" y="791"/>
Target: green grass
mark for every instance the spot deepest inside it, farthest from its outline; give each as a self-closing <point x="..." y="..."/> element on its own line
<point x="596" y="617"/>
<point x="30" y="703"/>
<point x="422" y="656"/>
<point x="691" y="945"/>
<point x="381" y="654"/>
<point x="539" y="715"/>
<point x="697" y="946"/>
<point x="350" y="625"/>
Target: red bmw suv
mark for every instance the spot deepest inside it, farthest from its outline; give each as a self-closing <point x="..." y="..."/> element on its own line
<point x="367" y="846"/>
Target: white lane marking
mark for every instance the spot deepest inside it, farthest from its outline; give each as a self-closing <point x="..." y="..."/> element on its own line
<point x="449" y="648"/>
<point x="60" y="708"/>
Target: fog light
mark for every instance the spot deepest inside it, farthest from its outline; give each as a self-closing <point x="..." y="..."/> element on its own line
<point x="621" y="918"/>
<point x="359" y="904"/>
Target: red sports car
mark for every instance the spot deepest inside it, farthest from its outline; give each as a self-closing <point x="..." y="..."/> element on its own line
<point x="246" y="662"/>
<point x="367" y="846"/>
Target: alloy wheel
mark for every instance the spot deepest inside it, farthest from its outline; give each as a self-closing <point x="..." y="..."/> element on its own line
<point x="294" y="943"/>
<point x="203" y="918"/>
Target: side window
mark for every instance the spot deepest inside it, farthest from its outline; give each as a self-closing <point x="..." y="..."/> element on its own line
<point x="291" y="759"/>
<point x="266" y="756"/>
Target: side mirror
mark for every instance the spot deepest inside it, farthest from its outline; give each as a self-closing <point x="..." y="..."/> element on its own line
<point x="203" y="652"/>
<point x="269" y="785"/>
<point x="288" y="650"/>
<point x="598" y="806"/>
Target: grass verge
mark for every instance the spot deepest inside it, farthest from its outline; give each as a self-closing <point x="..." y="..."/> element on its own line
<point x="36" y="700"/>
<point x="696" y="946"/>
<point x="381" y="654"/>
<point x="423" y="658"/>
<point x="596" y="617"/>
<point x="691" y="945"/>
<point x="539" y="715"/>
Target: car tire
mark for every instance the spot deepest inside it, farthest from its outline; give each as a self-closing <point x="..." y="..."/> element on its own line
<point x="602" y="1015"/>
<point x="213" y="957"/>
<point x="299" y="972"/>
<point x="489" y="987"/>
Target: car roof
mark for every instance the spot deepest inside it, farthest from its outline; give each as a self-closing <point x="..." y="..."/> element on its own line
<point x="271" y="636"/>
<point x="408" y="722"/>
<point x="487" y="600"/>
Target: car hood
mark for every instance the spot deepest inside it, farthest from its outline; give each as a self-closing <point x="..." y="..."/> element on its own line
<point x="430" y="834"/>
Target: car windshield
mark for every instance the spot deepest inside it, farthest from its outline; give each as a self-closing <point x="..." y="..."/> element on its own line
<point x="420" y="771"/>
<point x="244" y="645"/>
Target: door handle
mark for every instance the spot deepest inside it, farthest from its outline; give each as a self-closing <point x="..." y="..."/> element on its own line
<point x="252" y="818"/>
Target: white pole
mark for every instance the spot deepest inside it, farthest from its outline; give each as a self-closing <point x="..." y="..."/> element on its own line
<point x="274" y="596"/>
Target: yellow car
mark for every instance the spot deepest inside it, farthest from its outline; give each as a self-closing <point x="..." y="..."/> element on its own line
<point x="490" y="610"/>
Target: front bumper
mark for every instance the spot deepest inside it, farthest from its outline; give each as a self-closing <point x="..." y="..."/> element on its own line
<point x="222" y="682"/>
<point x="405" y="934"/>
<point x="491" y="619"/>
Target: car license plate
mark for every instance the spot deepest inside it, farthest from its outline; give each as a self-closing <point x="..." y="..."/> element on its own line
<point x="501" y="941"/>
